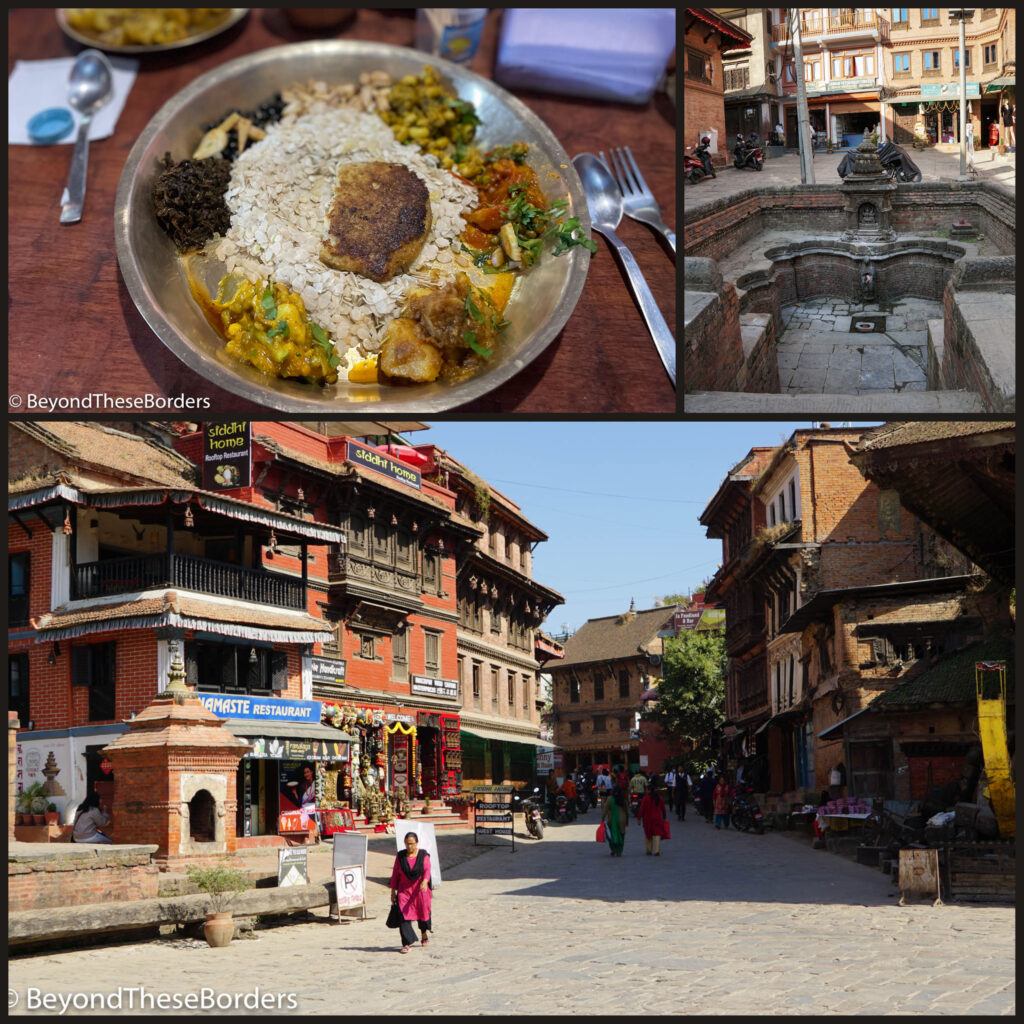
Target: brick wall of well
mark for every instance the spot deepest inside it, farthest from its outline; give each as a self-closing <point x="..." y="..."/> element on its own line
<point x="105" y="876"/>
<point x="713" y="351"/>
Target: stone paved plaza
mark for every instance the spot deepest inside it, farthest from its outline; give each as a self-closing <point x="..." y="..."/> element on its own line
<point x="721" y="923"/>
<point x="820" y="354"/>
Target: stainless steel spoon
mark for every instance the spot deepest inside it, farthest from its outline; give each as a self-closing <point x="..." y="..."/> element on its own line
<point x="604" y="201"/>
<point x="90" y="86"/>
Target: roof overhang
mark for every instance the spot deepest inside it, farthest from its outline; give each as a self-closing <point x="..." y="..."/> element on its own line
<point x="834" y="731"/>
<point x="129" y="497"/>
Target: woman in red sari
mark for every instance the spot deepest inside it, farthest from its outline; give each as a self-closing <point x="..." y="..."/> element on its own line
<point x="410" y="890"/>
<point x="651" y="814"/>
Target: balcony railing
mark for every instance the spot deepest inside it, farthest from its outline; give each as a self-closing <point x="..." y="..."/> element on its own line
<point x="834" y="24"/>
<point x="142" y="572"/>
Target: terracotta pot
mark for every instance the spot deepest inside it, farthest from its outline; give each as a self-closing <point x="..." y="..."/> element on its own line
<point x="52" y="817"/>
<point x="219" y="928"/>
<point x="38" y="819"/>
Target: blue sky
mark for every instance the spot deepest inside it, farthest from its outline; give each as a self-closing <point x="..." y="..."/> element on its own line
<point x="618" y="500"/>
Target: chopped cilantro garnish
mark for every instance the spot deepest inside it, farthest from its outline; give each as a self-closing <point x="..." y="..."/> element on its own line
<point x="268" y="304"/>
<point x="279" y="331"/>
<point x="472" y="310"/>
<point x="471" y="341"/>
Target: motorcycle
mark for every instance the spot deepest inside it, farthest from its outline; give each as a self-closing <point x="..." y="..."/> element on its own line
<point x="634" y="803"/>
<point x="530" y="807"/>
<point x="698" y="166"/>
<point x="564" y="812"/>
<point x="745" y="813"/>
<point x="747" y="154"/>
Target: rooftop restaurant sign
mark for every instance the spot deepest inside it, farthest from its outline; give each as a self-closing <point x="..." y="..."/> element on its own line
<point x="271" y="709"/>
<point x="227" y="455"/>
<point x="369" y="458"/>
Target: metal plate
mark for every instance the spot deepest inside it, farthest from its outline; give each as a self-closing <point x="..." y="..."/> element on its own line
<point x="235" y="15"/>
<point x="541" y="302"/>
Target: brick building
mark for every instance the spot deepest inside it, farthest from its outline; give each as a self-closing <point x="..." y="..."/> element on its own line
<point x="599" y="685"/>
<point x="500" y="648"/>
<point x="825" y="528"/>
<point x="753" y="90"/>
<point x="894" y="68"/>
<point x="708" y="35"/>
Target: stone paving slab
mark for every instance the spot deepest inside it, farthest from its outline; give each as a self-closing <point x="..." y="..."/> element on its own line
<point x="722" y="922"/>
<point x="909" y="402"/>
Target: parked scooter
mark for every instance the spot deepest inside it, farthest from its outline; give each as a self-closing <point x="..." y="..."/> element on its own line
<point x="530" y="806"/>
<point x="747" y="153"/>
<point x="746" y="815"/>
<point x="698" y="166"/>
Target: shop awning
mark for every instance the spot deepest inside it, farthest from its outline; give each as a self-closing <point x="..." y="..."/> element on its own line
<point x="839" y="725"/>
<point x="1000" y="83"/>
<point x="508" y="737"/>
<point x="287" y="730"/>
<point x="783" y="716"/>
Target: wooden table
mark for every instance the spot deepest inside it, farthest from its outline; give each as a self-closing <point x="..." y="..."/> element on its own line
<point x="74" y="330"/>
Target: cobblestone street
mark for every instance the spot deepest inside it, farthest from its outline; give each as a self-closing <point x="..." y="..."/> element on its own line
<point x="722" y="922"/>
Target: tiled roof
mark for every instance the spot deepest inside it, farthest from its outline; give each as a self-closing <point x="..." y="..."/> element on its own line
<point x="950" y="680"/>
<point x="125" y="455"/>
<point x="617" y="636"/>
<point x="895" y="435"/>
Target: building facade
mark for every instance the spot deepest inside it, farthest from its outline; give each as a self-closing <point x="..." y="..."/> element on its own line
<point x="500" y="647"/>
<point x="753" y="88"/>
<point x="894" y="69"/>
<point x="825" y="528"/>
<point x="708" y="37"/>
<point x="598" y="689"/>
<point x="315" y="602"/>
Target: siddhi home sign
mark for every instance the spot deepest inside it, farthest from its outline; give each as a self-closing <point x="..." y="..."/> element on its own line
<point x="227" y="455"/>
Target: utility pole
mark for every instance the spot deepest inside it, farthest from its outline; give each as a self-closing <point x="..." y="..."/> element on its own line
<point x="802" y="120"/>
<point x="962" y="14"/>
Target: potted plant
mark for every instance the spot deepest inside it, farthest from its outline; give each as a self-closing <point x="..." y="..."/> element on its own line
<point x="221" y="883"/>
<point x="426" y="805"/>
<point x="39" y="810"/>
<point x="52" y="817"/>
<point x="26" y="799"/>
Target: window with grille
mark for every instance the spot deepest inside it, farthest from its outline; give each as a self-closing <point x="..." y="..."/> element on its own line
<point x="624" y="682"/>
<point x="18" y="587"/>
<point x="95" y="666"/>
<point x="598" y="686"/>
<point x="432" y="653"/>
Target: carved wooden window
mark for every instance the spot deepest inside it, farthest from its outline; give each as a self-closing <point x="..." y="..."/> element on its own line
<point x="494" y="684"/>
<point x="598" y="686"/>
<point x="495" y="620"/>
<point x="431" y="571"/>
<point x="476" y="682"/>
<point x="400" y="655"/>
<point x="624" y="682"/>
<point x="405" y="552"/>
<point x="511" y="683"/>
<point x="367" y="647"/>
<point x="357" y="533"/>
<point x="526" y="691"/>
<point x="381" y="542"/>
<point x="600" y="723"/>
<point x="574" y="728"/>
<point x="574" y="691"/>
<point x="432" y="652"/>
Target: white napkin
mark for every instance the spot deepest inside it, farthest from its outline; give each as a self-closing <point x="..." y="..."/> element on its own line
<point x="36" y="85"/>
<point x="614" y="54"/>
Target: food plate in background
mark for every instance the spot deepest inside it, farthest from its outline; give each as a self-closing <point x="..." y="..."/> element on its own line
<point x="232" y="17"/>
<point x="153" y="271"/>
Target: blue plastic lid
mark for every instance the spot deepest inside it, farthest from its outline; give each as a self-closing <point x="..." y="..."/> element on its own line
<point x="50" y="125"/>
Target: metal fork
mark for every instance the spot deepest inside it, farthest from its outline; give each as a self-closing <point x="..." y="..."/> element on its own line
<point x="638" y="201"/>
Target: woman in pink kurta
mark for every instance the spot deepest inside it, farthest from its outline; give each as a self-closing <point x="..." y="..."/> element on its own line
<point x="410" y="889"/>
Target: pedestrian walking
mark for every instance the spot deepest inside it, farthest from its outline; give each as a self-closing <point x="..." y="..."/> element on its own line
<point x="722" y="802"/>
<point x="681" y="792"/>
<point x="410" y="892"/>
<point x="652" y="815"/>
<point x="670" y="779"/>
<point x="615" y="815"/>
<point x="705" y="790"/>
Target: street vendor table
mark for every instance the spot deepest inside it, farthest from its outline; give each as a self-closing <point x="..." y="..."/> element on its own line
<point x="73" y="328"/>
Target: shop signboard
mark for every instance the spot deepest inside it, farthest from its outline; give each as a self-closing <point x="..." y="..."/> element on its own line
<point x="227" y="455"/>
<point x="292" y="866"/>
<point x="493" y="812"/>
<point x="370" y="458"/>
<point x="545" y="761"/>
<point x="348" y="856"/>
<point x="327" y="670"/>
<point x="447" y="689"/>
<point x="271" y="709"/>
<point x="948" y="90"/>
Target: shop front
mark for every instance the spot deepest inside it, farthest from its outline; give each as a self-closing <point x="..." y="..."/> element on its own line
<point x="290" y="777"/>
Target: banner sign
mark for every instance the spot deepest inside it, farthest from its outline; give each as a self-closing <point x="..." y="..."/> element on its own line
<point x="227" y="455"/>
<point x="948" y="90"/>
<point x="327" y="670"/>
<point x="492" y="805"/>
<point x="275" y="747"/>
<point x="368" y="458"/>
<point x="446" y="688"/>
<point x="272" y="709"/>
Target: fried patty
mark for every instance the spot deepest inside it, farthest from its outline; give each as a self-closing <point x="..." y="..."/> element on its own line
<point x="377" y="221"/>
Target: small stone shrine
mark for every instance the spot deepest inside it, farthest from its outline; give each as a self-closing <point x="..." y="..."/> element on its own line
<point x="868" y="193"/>
<point x="176" y="769"/>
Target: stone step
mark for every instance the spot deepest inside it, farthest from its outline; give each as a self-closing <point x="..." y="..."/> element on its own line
<point x="698" y="403"/>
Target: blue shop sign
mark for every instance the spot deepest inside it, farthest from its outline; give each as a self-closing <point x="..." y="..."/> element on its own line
<point x="271" y="709"/>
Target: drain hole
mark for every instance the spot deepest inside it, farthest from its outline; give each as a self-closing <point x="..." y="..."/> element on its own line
<point x="867" y="325"/>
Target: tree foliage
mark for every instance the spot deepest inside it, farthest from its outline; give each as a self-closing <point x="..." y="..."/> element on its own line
<point x="691" y="695"/>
